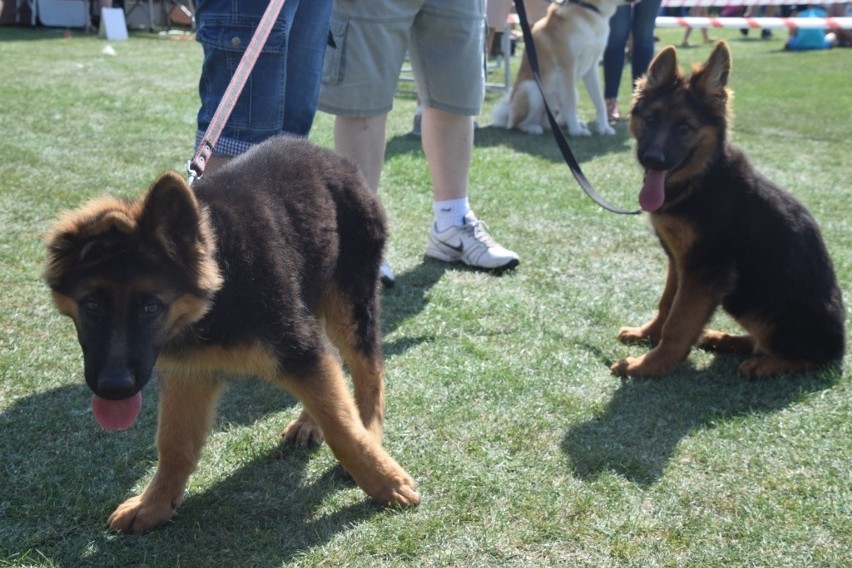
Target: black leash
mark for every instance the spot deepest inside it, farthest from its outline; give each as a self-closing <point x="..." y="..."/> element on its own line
<point x="554" y="127"/>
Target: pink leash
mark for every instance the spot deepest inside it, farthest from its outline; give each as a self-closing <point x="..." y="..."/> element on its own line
<point x="195" y="167"/>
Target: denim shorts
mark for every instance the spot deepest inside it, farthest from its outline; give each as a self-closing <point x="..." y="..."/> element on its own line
<point x="443" y="38"/>
<point x="281" y="93"/>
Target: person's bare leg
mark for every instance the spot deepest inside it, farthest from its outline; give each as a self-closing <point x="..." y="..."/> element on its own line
<point x="362" y="140"/>
<point x="448" y="145"/>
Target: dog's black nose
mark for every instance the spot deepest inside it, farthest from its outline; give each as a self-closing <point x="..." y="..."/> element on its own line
<point x="116" y="384"/>
<point x="654" y="159"/>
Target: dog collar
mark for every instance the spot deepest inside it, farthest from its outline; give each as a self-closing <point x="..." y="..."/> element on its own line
<point x="586" y="5"/>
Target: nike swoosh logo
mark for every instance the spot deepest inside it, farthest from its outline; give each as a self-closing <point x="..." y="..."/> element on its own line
<point x="457" y="248"/>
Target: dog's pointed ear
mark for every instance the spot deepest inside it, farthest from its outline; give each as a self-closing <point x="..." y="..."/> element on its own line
<point x="663" y="71"/>
<point x="96" y="226"/>
<point x="709" y="82"/>
<point x="171" y="217"/>
<point x="712" y="78"/>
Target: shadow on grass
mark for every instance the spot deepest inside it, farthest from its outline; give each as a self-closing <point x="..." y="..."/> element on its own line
<point x="637" y="433"/>
<point x="410" y="296"/>
<point x="406" y="300"/>
<point x="584" y="148"/>
<point x="62" y="476"/>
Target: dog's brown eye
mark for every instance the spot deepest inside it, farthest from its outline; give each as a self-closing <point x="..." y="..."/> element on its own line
<point x="92" y="306"/>
<point x="684" y="128"/>
<point x="151" y="308"/>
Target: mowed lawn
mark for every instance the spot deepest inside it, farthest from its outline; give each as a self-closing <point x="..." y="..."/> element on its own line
<point x="499" y="397"/>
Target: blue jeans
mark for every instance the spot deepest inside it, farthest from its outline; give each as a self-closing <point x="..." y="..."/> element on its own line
<point x="637" y="18"/>
<point x="281" y="94"/>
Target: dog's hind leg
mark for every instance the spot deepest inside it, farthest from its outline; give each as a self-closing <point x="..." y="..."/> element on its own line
<point x="527" y="108"/>
<point x="353" y="327"/>
<point x="723" y="342"/>
<point x="303" y="431"/>
<point x="187" y="409"/>
<point x="324" y="394"/>
<point x="765" y="366"/>
<point x="773" y="352"/>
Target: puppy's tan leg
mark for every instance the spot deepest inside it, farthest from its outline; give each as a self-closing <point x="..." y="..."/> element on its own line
<point x="360" y="349"/>
<point x="187" y="408"/>
<point x="692" y="306"/>
<point x="651" y="330"/>
<point x="765" y="366"/>
<point x="325" y="396"/>
<point x="368" y="380"/>
<point x="725" y="342"/>
<point x="767" y="363"/>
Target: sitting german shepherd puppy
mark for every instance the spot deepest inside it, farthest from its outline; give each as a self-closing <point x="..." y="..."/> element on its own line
<point x="242" y="275"/>
<point x="732" y="237"/>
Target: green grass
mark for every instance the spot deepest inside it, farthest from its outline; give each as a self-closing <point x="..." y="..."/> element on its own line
<point x="500" y="401"/>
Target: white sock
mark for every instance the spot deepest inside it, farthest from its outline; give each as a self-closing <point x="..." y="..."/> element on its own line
<point x="450" y="213"/>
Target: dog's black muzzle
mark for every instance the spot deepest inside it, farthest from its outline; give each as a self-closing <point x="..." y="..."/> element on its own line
<point x="654" y="159"/>
<point x="118" y="383"/>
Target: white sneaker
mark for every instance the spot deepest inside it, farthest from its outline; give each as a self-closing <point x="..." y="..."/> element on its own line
<point x="471" y="244"/>
<point x="386" y="275"/>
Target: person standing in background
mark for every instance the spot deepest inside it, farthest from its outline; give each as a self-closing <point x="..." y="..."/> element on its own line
<point x="637" y="19"/>
<point x="445" y="41"/>
<point x="281" y="94"/>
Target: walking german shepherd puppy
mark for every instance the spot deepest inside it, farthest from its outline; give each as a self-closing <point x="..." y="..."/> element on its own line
<point x="245" y="274"/>
<point x="732" y="237"/>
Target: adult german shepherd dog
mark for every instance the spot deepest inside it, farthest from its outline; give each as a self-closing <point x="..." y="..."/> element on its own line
<point x="245" y="274"/>
<point x="732" y="237"/>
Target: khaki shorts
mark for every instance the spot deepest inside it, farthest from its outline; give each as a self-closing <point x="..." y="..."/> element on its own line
<point x="445" y="42"/>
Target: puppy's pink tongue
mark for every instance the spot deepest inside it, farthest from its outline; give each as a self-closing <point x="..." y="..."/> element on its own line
<point x="653" y="192"/>
<point x="116" y="414"/>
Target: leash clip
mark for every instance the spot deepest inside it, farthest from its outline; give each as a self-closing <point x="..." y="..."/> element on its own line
<point x="191" y="174"/>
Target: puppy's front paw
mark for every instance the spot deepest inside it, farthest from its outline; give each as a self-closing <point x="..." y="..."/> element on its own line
<point x="632" y="335"/>
<point x="137" y="515"/>
<point x="303" y="432"/>
<point x="629" y="367"/>
<point x="400" y="492"/>
<point x="648" y="365"/>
